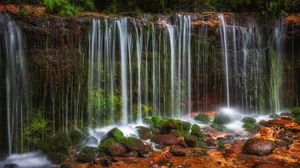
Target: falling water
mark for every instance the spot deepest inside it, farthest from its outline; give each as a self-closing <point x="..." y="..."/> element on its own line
<point x="17" y="99"/>
<point x="225" y="50"/>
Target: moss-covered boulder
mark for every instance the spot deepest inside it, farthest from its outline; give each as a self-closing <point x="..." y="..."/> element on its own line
<point x="183" y="125"/>
<point x="144" y="132"/>
<point x="87" y="154"/>
<point x="274" y="115"/>
<point x="203" y="118"/>
<point x="105" y="143"/>
<point x="295" y="111"/>
<point x="133" y="144"/>
<point x="249" y="120"/>
<point x="158" y="122"/>
<point x="168" y="125"/>
<point x="57" y="147"/>
<point x="297" y="120"/>
<point x="250" y="124"/>
<point x="194" y="141"/>
<point x="217" y="127"/>
<point x="196" y="130"/>
<point x="76" y="136"/>
<point x="221" y="119"/>
<point x="166" y="139"/>
<point x="116" y="134"/>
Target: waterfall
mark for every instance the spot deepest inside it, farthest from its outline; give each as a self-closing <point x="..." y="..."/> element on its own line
<point x="17" y="97"/>
<point x="225" y="52"/>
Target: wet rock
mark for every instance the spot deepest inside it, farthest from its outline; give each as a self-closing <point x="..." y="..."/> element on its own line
<point x="196" y="130"/>
<point x="182" y="142"/>
<point x="144" y="154"/>
<point x="66" y="165"/>
<point x="249" y="120"/>
<point x="168" y="126"/>
<point x="177" y="151"/>
<point x="203" y="118"/>
<point x="251" y="127"/>
<point x="258" y="146"/>
<point x="274" y="115"/>
<point x="167" y="139"/>
<point x="105" y="143"/>
<point x="76" y="136"/>
<point x="106" y="161"/>
<point x="131" y="154"/>
<point x="87" y="154"/>
<point x="116" y="149"/>
<point x="11" y="165"/>
<point x="133" y="144"/>
<point x="194" y="141"/>
<point x="221" y="119"/>
<point x="144" y="133"/>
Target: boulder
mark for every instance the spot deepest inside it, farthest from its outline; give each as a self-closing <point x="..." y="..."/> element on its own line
<point x="133" y="144"/>
<point x="259" y="146"/>
<point x="177" y="151"/>
<point x="116" y="134"/>
<point x="203" y="118"/>
<point x="144" y="133"/>
<point x="87" y="154"/>
<point x="222" y="119"/>
<point x="166" y="139"/>
<point x="76" y="136"/>
<point x="116" y="149"/>
<point x="196" y="130"/>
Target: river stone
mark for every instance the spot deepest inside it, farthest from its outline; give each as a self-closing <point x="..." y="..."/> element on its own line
<point x="259" y="146"/>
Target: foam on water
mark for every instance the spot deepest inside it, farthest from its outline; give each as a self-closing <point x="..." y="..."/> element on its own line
<point x="28" y="160"/>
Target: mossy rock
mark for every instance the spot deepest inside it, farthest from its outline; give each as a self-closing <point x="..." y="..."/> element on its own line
<point x="194" y="141"/>
<point x="133" y="144"/>
<point x="144" y="132"/>
<point x="183" y="125"/>
<point x="196" y="130"/>
<point x="203" y="118"/>
<point x="168" y="125"/>
<point x="249" y="120"/>
<point x="297" y="120"/>
<point x="87" y="154"/>
<point x="158" y="122"/>
<point x="57" y="147"/>
<point x="217" y="127"/>
<point x="105" y="143"/>
<point x="274" y="115"/>
<point x="66" y="165"/>
<point x="251" y="127"/>
<point x="116" y="134"/>
<point x="221" y="119"/>
<point x="56" y="157"/>
<point x="179" y="133"/>
<point x="76" y="136"/>
<point x="295" y="111"/>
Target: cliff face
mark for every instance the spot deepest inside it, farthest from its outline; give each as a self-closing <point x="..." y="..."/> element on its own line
<point x="57" y="51"/>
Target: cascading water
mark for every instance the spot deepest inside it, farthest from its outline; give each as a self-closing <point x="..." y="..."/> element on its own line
<point x="17" y="97"/>
<point x="247" y="61"/>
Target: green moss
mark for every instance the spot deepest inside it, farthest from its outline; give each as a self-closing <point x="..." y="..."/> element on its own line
<point x="184" y="125"/>
<point x="221" y="119"/>
<point x="196" y="130"/>
<point x="297" y="119"/>
<point x="158" y="121"/>
<point x="87" y="154"/>
<point x="57" y="147"/>
<point x="133" y="144"/>
<point x="203" y="118"/>
<point x="217" y="127"/>
<point x="116" y="134"/>
<point x="295" y="111"/>
<point x="105" y="143"/>
<point x="251" y="127"/>
<point x="76" y="136"/>
<point x="249" y="120"/>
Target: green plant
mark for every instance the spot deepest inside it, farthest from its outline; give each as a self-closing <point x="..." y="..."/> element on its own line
<point x="36" y="130"/>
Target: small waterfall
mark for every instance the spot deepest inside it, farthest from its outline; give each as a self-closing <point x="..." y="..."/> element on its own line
<point x="225" y="52"/>
<point x="17" y="97"/>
